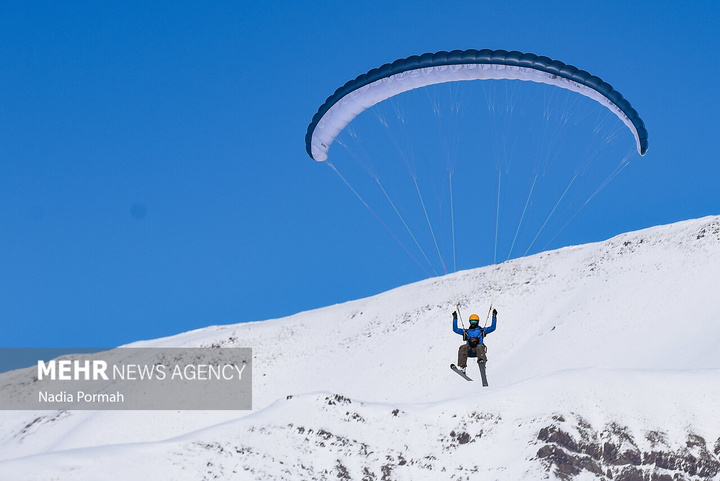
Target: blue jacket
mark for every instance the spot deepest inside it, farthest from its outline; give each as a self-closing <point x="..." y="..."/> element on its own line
<point x="479" y="332"/>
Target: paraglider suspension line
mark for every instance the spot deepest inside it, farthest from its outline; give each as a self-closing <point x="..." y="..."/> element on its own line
<point x="376" y="216"/>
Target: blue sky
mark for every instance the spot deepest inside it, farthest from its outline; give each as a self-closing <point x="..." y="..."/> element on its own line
<point x="153" y="174"/>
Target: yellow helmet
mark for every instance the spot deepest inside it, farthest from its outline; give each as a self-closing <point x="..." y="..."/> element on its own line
<point x="474" y="317"/>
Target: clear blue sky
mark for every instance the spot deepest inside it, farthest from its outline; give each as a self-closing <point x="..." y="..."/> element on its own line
<point x="153" y="174"/>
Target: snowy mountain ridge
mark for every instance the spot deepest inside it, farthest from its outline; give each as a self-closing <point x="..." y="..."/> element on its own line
<point x="604" y="365"/>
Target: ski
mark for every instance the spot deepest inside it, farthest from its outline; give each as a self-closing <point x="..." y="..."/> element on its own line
<point x="457" y="370"/>
<point x="483" y="375"/>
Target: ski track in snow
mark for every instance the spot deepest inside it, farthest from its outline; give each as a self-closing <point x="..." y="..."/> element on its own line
<point x="612" y="342"/>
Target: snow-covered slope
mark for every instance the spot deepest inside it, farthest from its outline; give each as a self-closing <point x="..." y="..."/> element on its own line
<point x="604" y="364"/>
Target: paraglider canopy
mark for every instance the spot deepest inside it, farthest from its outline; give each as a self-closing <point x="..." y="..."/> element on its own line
<point x="433" y="68"/>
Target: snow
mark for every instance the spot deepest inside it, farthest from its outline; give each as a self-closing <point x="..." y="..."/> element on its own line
<point x="614" y="341"/>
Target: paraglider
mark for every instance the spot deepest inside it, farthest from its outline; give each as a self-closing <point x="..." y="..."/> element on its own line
<point x="474" y="345"/>
<point x="517" y="153"/>
<point x="433" y="68"/>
